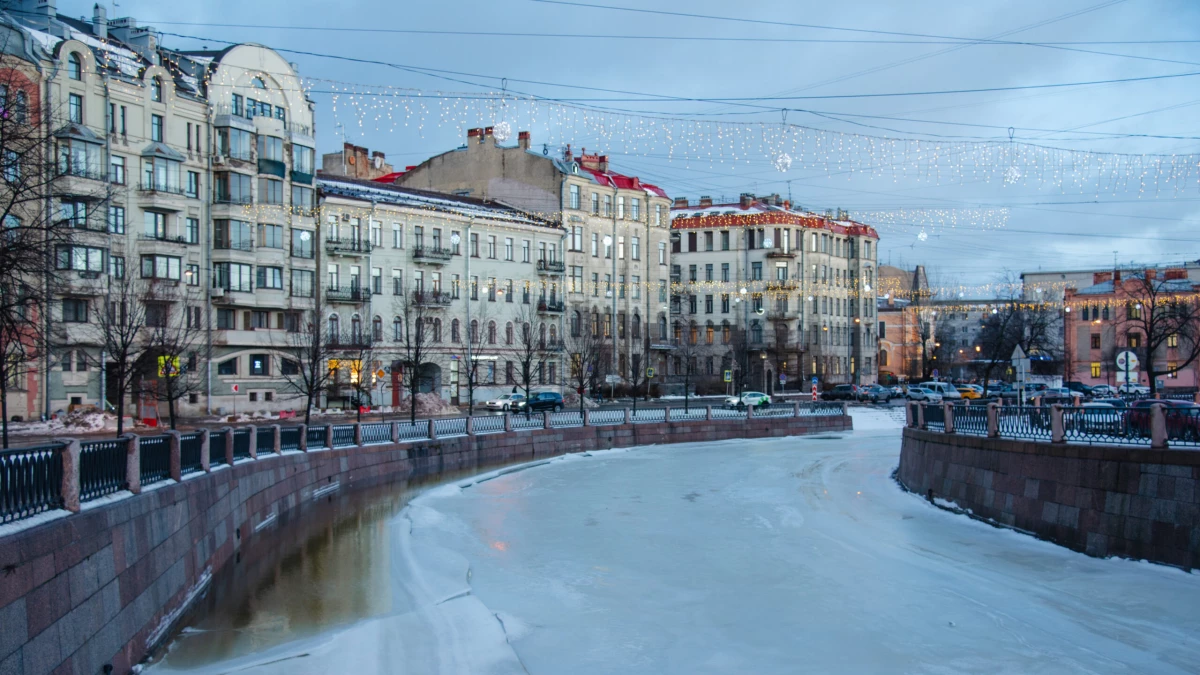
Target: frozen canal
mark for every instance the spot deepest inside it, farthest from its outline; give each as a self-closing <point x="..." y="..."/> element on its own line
<point x="772" y="556"/>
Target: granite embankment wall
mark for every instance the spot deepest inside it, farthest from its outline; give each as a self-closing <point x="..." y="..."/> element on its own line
<point x="104" y="587"/>
<point x="1102" y="500"/>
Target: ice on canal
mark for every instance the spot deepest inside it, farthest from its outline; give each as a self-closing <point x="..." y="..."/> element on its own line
<point x="767" y="556"/>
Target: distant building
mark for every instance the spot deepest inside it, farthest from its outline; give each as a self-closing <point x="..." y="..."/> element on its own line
<point x="905" y="328"/>
<point x="356" y="162"/>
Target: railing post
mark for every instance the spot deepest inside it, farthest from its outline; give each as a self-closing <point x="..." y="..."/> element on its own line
<point x="708" y="413"/>
<point x="1158" y="426"/>
<point x="667" y="413"/>
<point x="921" y="415"/>
<point x="432" y="430"/>
<point x="174" y="451"/>
<point x="993" y="420"/>
<point x="229" y="446"/>
<point x="948" y="413"/>
<point x="278" y="442"/>
<point x="329" y="436"/>
<point x="795" y="408"/>
<point x="628" y="416"/>
<point x="587" y="418"/>
<point x="845" y="409"/>
<point x="910" y="417"/>
<point x="358" y="433"/>
<point x="749" y="412"/>
<point x="545" y="419"/>
<point x="507" y="422"/>
<point x="303" y="438"/>
<point x="133" y="463"/>
<point x="470" y="425"/>
<point x="1057" y="434"/>
<point x="253" y="441"/>
<point x="395" y="432"/>
<point x="70" y="476"/>
<point x="205" y="457"/>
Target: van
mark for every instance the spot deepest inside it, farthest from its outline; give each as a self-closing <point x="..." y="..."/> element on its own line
<point x="947" y="390"/>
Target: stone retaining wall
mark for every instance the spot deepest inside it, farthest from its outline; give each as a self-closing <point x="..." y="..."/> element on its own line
<point x="1124" y="501"/>
<point x="105" y="586"/>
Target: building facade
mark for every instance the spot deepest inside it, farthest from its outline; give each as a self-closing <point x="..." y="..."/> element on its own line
<point x="796" y="285"/>
<point x="613" y="256"/>
<point x="905" y="325"/>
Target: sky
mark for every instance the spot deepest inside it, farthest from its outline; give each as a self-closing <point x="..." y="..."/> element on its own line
<point x="783" y="50"/>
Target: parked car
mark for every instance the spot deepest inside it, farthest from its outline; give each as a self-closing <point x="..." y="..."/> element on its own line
<point x="503" y="402"/>
<point x="842" y="392"/>
<point x="1103" y="390"/>
<point x="1129" y="389"/>
<point x="897" y="391"/>
<point x="875" y="393"/>
<point x="1183" y="422"/>
<point x="1096" y="417"/>
<point x="969" y="391"/>
<point x="946" y="389"/>
<point x="1118" y="403"/>
<point x="748" y="399"/>
<point x="1080" y="387"/>
<point x="918" y="393"/>
<point x="541" y="400"/>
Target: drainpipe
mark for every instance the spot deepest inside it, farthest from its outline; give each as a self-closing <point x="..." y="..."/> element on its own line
<point x="48" y="205"/>
<point x="206" y="263"/>
<point x="105" y="167"/>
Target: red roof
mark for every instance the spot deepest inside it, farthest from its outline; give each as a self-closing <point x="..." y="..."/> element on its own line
<point x="621" y="181"/>
<point x="757" y="214"/>
<point x="388" y="177"/>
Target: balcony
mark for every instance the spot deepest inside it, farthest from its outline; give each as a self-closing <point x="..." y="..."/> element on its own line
<point x="82" y="171"/>
<point x="238" y="245"/>
<point x="235" y="200"/>
<point x="432" y="255"/>
<point x="161" y="187"/>
<point x="165" y="239"/>
<point x="662" y="345"/>
<point x="551" y="267"/>
<point x="781" y="254"/>
<point x="431" y="299"/>
<point x="350" y="248"/>
<point x="781" y="315"/>
<point x="301" y="178"/>
<point x="550" y="306"/>
<point x="353" y="294"/>
<point x="272" y="167"/>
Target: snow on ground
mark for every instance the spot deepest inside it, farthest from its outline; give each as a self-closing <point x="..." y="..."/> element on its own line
<point x="769" y="556"/>
<point x="75" y="422"/>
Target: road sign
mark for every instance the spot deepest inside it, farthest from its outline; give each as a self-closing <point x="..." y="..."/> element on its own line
<point x="235" y="389"/>
<point x="729" y="376"/>
<point x="782" y="378"/>
<point x="1018" y="353"/>
<point x="379" y="373"/>
<point x="649" y="372"/>
<point x="934" y="374"/>
<point x="814" y="387"/>
<point x="612" y="379"/>
<point x="1127" y="360"/>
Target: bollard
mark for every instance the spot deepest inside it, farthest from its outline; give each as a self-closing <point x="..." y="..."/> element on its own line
<point x="587" y="418"/>
<point x="253" y="441"/>
<point x="358" y="433"/>
<point x="329" y="436"/>
<point x="277" y="442"/>
<point x="708" y="412"/>
<point x="70" y="476"/>
<point x="432" y="431"/>
<point x="948" y="413"/>
<point x="993" y="420"/>
<point x="1158" y="426"/>
<point x="845" y="409"/>
<point x="1075" y="400"/>
<point x="133" y="463"/>
<point x="667" y="413"/>
<point x="174" y="451"/>
<point x="229" y="446"/>
<point x="205" y="457"/>
<point x="1057" y="434"/>
<point x="303" y="438"/>
<point x="795" y="408"/>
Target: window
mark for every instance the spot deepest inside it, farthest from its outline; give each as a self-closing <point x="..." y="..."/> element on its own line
<point x="270" y="236"/>
<point x="156" y="128"/>
<point x="303" y="159"/>
<point x="302" y="283"/>
<point x="662" y="253"/>
<point x="1095" y="340"/>
<point x="116" y="170"/>
<point x="377" y="329"/>
<point x="1135" y="340"/>
<point x="192" y="189"/>
<point x="74" y="310"/>
<point x="270" y="191"/>
<point x="595" y="245"/>
<point x="635" y="209"/>
<point x="233" y="188"/>
<point x="377" y="280"/>
<point x="75" y="108"/>
<point x="156" y="89"/>
<point x="491" y="246"/>
<point x="234" y="143"/>
<point x="225" y="319"/>
<point x="608" y="206"/>
<point x="161" y="267"/>
<point x="74" y="66"/>
<point x="116" y="219"/>
<point x="116" y="266"/>
<point x="227" y="367"/>
<point x="575" y="197"/>
<point x="595" y="204"/>
<point x="621" y="208"/>
<point x="508" y="248"/>
<point x="232" y="234"/>
<point x="1095" y="368"/>
<point x="270" y="148"/>
<point x="154" y="225"/>
<point x="1172" y="341"/>
<point x="81" y="258"/>
<point x="270" y="277"/>
<point x="232" y="277"/>
<point x="595" y="284"/>
<point x="302" y="243"/>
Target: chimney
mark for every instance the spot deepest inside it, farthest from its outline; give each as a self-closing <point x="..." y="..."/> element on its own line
<point x="487" y="137"/>
<point x="705" y="201"/>
<point x="567" y="153"/>
<point x="523" y="140"/>
<point x="100" y="21"/>
<point x="843" y="214"/>
<point x="602" y="162"/>
<point x="829" y="214"/>
<point x="37" y="12"/>
<point x="1151" y="274"/>
<point x="1101" y="277"/>
<point x="746" y="200"/>
<point x="1175" y="273"/>
<point x="1116" y="276"/>
<point x="680" y="203"/>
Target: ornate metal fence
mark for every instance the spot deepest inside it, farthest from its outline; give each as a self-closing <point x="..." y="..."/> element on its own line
<point x="30" y="481"/>
<point x="189" y="452"/>
<point x="155" y="454"/>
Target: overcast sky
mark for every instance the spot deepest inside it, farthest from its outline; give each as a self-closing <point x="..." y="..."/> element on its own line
<point x="1045" y="228"/>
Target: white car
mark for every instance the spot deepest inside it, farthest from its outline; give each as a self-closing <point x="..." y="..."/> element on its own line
<point x="926" y="394"/>
<point x="1135" y="389"/>
<point x="748" y="399"/>
<point x="504" y="402"/>
<point x="1103" y="390"/>
<point x="946" y="389"/>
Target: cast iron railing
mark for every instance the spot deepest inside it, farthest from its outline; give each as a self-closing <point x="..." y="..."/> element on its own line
<point x="189" y="452"/>
<point x="30" y="481"/>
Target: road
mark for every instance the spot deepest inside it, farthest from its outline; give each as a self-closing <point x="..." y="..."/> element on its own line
<point x="769" y="556"/>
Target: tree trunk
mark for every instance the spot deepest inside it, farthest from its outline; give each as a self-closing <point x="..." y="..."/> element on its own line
<point x="120" y="413"/>
<point x="171" y="408"/>
<point x="4" y="409"/>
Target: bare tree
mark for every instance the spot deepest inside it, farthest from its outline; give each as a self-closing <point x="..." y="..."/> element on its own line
<point x="1163" y="315"/>
<point x="304" y="366"/>
<point x="585" y="351"/>
<point x="17" y="349"/>
<point x="362" y="357"/>
<point x="174" y="337"/>
<point x="479" y="341"/>
<point x="527" y="351"/>
<point x="688" y="353"/>
<point x="121" y="332"/>
<point x="416" y="338"/>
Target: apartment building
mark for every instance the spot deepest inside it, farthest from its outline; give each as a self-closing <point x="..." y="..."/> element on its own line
<point x="796" y="285"/>
<point x="613" y="259"/>
<point x="187" y="173"/>
<point x="465" y="267"/>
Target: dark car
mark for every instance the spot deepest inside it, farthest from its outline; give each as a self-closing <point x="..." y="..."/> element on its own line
<point x="842" y="392"/>
<point x="875" y="393"/>
<point x="1079" y="387"/>
<point x="540" y="400"/>
<point x="1183" y="418"/>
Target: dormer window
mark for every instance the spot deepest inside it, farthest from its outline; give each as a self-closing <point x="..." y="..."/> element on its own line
<point x="156" y="89"/>
<point x="74" y="66"/>
<point x="258" y="83"/>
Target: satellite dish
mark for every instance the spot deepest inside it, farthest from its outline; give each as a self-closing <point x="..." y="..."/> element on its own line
<point x="377" y="161"/>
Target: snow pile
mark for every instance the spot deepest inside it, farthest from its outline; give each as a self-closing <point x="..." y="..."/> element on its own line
<point x="72" y="423"/>
<point x="874" y="419"/>
<point x="427" y="404"/>
<point x="571" y="400"/>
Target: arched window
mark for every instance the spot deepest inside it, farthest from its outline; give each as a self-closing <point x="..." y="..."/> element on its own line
<point x="755" y="331"/>
<point x="397" y="329"/>
<point x="693" y="333"/>
<point x="437" y="330"/>
<point x="74" y="66"/>
<point x="883" y="358"/>
<point x="356" y="328"/>
<point x="553" y="335"/>
<point x="21" y="109"/>
<point x="377" y="329"/>
<point x="541" y="336"/>
<point x="508" y="333"/>
<point x="491" y="335"/>
<point x="473" y="336"/>
<point x="526" y="334"/>
<point x="576" y="323"/>
<point x="725" y="332"/>
<point x="258" y="83"/>
<point x="662" y="326"/>
<point x="334" y="329"/>
<point x="709" y="332"/>
<point x="636" y="327"/>
<point x="156" y="89"/>
<point x="455" y="336"/>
